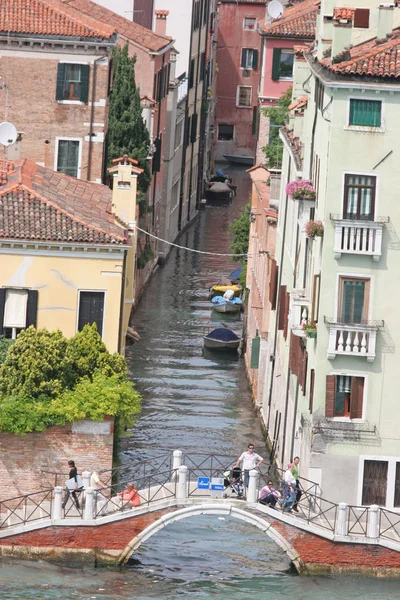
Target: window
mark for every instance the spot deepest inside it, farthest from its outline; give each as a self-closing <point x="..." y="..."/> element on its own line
<point x="282" y="64"/>
<point x="344" y="396"/>
<point x="191" y="74"/>
<point x="73" y="82"/>
<point x="359" y="197"/>
<point x="365" y="113"/>
<point x="225" y="132"/>
<point x="175" y="195"/>
<point x="196" y="15"/>
<point x="319" y="94"/>
<point x="18" y="310"/>
<point x="353" y="300"/>
<point x="249" y="58"/>
<point x="396" y="502"/>
<point x="243" y="96"/>
<point x="193" y="131"/>
<point x="249" y="23"/>
<point x="68" y="157"/>
<point x="361" y="18"/>
<point x="178" y="133"/>
<point x="375" y="482"/>
<point x="91" y="310"/>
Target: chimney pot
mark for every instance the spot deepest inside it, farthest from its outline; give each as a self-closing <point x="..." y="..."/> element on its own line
<point x="161" y="22"/>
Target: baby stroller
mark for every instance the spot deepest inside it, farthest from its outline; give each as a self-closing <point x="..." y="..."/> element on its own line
<point x="288" y="497"/>
<point x="233" y="483"/>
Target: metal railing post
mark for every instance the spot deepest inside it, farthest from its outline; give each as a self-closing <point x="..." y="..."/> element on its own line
<point x="341" y="523"/>
<point x="373" y="521"/>
<point x="57" y="508"/>
<point x="181" y="492"/>
<point x="252" y="492"/>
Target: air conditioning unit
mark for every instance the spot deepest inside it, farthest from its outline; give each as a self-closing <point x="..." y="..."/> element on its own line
<point x="246" y="73"/>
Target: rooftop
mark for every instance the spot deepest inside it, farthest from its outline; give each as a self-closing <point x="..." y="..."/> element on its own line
<point x="38" y="204"/>
<point x="298" y="21"/>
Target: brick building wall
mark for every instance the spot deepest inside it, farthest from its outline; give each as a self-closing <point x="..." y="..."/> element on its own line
<point x="22" y="458"/>
<point x="30" y="80"/>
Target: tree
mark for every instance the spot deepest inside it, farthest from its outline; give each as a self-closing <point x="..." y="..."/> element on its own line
<point x="127" y="132"/>
<point x="278" y="116"/>
<point x="5" y="343"/>
<point x="49" y="380"/>
<point x="240" y="245"/>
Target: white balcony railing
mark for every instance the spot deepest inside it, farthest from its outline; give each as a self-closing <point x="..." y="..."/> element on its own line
<point x="353" y="339"/>
<point x="358" y="237"/>
<point x="299" y="313"/>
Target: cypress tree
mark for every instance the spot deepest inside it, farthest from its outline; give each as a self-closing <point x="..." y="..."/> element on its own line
<point x="127" y="132"/>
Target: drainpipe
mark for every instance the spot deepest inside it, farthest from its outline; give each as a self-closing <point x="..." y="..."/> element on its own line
<point x="271" y="385"/>
<point x="94" y="80"/>
<point x="294" y="420"/>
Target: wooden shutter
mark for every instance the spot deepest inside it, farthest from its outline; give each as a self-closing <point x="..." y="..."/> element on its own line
<point x="276" y="64"/>
<point x="243" y="59"/>
<point x="2" y="306"/>
<point x="60" y="81"/>
<point x="85" y="69"/>
<point x="31" y="309"/>
<point x="282" y="304"/>
<point x="293" y="353"/>
<point x="91" y="309"/>
<point x="304" y="363"/>
<point x="361" y="18"/>
<point x="157" y="154"/>
<point x="286" y="316"/>
<point x="311" y="399"/>
<point x="255" y="59"/>
<point x="273" y="283"/>
<point x="187" y="132"/>
<point x="254" y="121"/>
<point x="255" y="352"/>
<point x="315" y="298"/>
<point x="330" y="395"/>
<point x="357" y="394"/>
<point x="193" y="133"/>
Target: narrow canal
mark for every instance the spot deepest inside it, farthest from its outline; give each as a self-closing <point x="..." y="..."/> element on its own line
<point x="199" y="403"/>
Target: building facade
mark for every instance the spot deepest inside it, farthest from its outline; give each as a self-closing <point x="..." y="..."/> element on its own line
<point x="67" y="251"/>
<point x="328" y="392"/>
<point x="239" y="61"/>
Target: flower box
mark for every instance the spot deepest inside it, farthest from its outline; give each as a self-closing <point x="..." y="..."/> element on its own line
<point x="300" y="189"/>
<point x="314" y="229"/>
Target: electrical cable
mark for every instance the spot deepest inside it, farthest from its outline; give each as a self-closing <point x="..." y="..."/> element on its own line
<point x="184" y="247"/>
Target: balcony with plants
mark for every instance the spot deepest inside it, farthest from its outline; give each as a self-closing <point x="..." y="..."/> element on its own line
<point x="300" y="308"/>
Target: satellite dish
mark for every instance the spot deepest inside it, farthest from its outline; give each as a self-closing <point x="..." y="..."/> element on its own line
<point x="275" y="9"/>
<point x="8" y="133"/>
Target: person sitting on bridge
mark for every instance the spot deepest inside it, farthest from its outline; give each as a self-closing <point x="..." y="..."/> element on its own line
<point x="129" y="496"/>
<point x="269" y="495"/>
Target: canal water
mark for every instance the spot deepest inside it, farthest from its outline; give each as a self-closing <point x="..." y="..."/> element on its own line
<point x="198" y="402"/>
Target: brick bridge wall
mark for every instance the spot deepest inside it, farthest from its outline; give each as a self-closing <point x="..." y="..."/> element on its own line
<point x="95" y="544"/>
<point x="23" y="457"/>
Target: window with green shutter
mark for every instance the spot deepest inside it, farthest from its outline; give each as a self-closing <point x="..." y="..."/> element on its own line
<point x="365" y="113"/>
<point x="353" y="301"/>
<point x="282" y="64"/>
<point x="73" y="82"/>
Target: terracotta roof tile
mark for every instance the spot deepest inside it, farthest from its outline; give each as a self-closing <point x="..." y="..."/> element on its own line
<point x="343" y="14"/>
<point x="375" y="58"/>
<point x="127" y="29"/>
<point x="299" y="103"/>
<point x="49" y="17"/>
<point x="35" y="204"/>
<point x="298" y="21"/>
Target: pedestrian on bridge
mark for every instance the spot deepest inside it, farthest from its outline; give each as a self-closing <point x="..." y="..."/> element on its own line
<point x="269" y="495"/>
<point x="295" y="473"/>
<point x="73" y="485"/>
<point x="250" y="460"/>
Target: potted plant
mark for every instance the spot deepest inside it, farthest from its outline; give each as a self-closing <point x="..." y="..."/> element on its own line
<point x="314" y="229"/>
<point x="310" y="329"/>
<point x="300" y="189"/>
<point x="250" y="25"/>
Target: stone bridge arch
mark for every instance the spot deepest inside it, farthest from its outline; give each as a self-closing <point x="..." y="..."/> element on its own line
<point x="208" y="509"/>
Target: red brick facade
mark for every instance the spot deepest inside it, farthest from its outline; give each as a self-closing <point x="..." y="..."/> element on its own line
<point x="22" y="458"/>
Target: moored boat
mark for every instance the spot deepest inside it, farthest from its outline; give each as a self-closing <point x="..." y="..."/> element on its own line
<point x="223" y="339"/>
<point x="223" y="305"/>
<point x="221" y="289"/>
<point x="239" y="160"/>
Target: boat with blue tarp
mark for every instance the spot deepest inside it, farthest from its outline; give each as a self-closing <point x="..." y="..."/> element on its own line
<point x="222" y="338"/>
<point x="225" y="305"/>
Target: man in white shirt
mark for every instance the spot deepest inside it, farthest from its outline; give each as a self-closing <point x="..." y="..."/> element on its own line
<point x="250" y="461"/>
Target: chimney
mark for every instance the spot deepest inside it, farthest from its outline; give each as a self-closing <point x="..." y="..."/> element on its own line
<point x="125" y="174"/>
<point x="161" y="22"/>
<point x="341" y="38"/>
<point x="385" y="20"/>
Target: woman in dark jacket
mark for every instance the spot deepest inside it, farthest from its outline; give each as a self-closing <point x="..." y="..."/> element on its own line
<point x="73" y="474"/>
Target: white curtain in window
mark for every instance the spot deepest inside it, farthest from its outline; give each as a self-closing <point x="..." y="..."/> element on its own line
<point x="344" y="384"/>
<point x="15" y="308"/>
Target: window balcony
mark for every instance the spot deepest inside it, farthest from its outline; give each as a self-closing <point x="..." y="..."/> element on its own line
<point x="300" y="309"/>
<point x="352" y="339"/>
<point x="358" y="236"/>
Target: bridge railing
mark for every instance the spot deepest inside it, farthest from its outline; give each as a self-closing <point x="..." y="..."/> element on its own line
<point x="23" y="509"/>
<point x="389" y="525"/>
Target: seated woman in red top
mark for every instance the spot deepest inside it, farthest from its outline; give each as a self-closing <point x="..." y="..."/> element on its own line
<point x="130" y="496"/>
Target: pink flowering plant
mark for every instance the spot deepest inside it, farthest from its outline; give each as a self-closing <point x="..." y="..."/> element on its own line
<point x="314" y="229"/>
<point x="310" y="329"/>
<point x="300" y="188"/>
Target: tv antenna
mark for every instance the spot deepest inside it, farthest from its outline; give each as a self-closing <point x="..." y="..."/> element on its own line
<point x="275" y="9"/>
<point x="8" y="134"/>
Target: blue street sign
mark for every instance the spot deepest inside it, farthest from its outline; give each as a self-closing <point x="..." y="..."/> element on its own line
<point x="203" y="483"/>
<point x="217" y="484"/>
